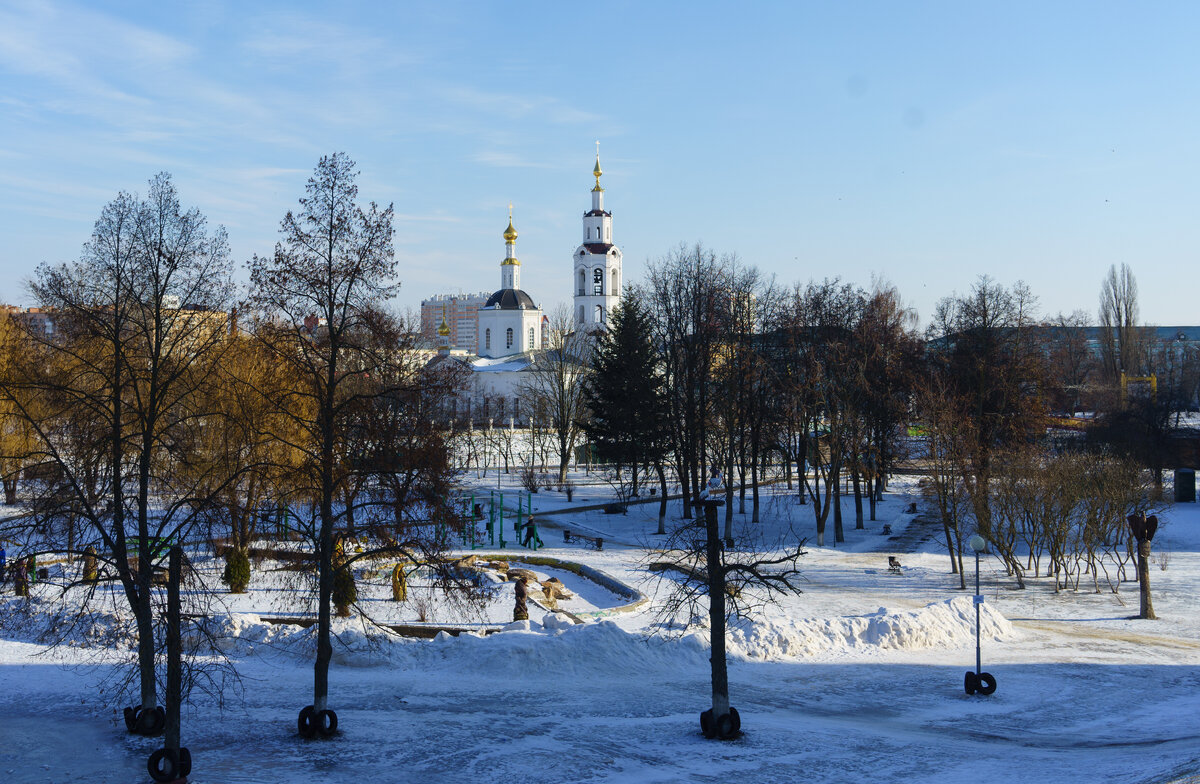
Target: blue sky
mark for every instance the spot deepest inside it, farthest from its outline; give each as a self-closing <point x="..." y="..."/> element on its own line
<point x="926" y="143"/>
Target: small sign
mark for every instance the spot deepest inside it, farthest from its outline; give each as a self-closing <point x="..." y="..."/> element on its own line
<point x="978" y="598"/>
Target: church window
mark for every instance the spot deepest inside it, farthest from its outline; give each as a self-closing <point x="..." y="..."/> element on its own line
<point x="531" y="338"/>
<point x="508" y="338"/>
<point x="581" y="314"/>
<point x="487" y="339"/>
<point x="598" y="281"/>
<point x="599" y="315"/>
<point x="614" y="288"/>
<point x="582" y="281"/>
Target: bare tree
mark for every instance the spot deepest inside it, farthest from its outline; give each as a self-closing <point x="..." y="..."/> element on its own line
<point x="685" y="292"/>
<point x="555" y="384"/>
<point x="319" y="300"/>
<point x="1121" y="340"/>
<point x="992" y="366"/>
<point x="728" y="584"/>
<point x="139" y="324"/>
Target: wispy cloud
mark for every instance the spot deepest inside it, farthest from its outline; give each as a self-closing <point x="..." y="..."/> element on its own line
<point x="507" y="160"/>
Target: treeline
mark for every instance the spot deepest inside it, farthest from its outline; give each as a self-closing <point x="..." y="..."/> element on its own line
<point x="708" y="363"/>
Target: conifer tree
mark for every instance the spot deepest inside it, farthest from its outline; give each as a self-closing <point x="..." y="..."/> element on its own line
<point x="625" y="396"/>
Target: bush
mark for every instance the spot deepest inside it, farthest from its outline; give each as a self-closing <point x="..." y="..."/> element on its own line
<point x="530" y="479"/>
<point x="345" y="592"/>
<point x="237" y="570"/>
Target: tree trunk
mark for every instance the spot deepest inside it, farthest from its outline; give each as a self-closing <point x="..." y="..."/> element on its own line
<point x="729" y="503"/>
<point x="754" y="485"/>
<point x="716" y="614"/>
<point x="174" y="649"/>
<point x="10" y="490"/>
<point x="325" y="548"/>
<point x="145" y="625"/>
<point x="834" y="491"/>
<point x="1147" y="609"/>
<point x="662" y="502"/>
<point x="858" y="502"/>
<point x="144" y="610"/>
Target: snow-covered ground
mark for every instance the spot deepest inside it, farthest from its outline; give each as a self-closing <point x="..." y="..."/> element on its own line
<point x="859" y="678"/>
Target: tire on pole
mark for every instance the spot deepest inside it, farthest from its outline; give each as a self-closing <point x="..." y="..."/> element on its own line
<point x="987" y="683"/>
<point x="163" y="765"/>
<point x="151" y="722"/>
<point x="306" y="723"/>
<point x="326" y="723"/>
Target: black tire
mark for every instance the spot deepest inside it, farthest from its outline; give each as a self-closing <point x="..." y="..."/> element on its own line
<point x="706" y="724"/>
<point x="326" y="724"/>
<point x="725" y="728"/>
<point x="185" y="763"/>
<point x="163" y="765"/>
<point x="987" y="683"/>
<point x="306" y="724"/>
<point x="737" y="720"/>
<point x="151" y="722"/>
<point x="131" y="715"/>
<point x="971" y="682"/>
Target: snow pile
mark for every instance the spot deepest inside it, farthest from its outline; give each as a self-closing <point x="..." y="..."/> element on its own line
<point x="356" y="643"/>
<point x="947" y="624"/>
<point x="46" y="620"/>
<point x="543" y="652"/>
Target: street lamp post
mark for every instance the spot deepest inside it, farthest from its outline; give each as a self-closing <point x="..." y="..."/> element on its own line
<point x="978" y="682"/>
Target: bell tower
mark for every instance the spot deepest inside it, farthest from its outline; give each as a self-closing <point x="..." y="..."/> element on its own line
<point x="597" y="264"/>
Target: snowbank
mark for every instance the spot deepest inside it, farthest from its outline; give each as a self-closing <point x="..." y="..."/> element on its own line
<point x="947" y="624"/>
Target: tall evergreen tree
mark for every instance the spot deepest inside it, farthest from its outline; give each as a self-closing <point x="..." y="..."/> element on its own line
<point x="626" y="397"/>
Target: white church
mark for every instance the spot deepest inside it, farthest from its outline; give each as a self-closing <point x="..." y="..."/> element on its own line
<point x="510" y="328"/>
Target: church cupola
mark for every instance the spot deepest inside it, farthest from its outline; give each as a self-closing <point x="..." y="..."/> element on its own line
<point x="510" y="268"/>
<point x="597" y="267"/>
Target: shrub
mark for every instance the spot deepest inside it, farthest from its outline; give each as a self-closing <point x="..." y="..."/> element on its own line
<point x="237" y="570"/>
<point x="530" y="479"/>
<point x="345" y="592"/>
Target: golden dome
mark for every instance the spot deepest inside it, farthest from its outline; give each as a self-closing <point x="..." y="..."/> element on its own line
<point x="444" y="328"/>
<point x="510" y="234"/>
<point x="596" y="172"/>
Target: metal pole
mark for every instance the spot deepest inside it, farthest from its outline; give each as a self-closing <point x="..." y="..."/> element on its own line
<point x="978" y="664"/>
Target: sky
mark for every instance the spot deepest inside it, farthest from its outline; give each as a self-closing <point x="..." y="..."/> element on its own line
<point x="924" y="143"/>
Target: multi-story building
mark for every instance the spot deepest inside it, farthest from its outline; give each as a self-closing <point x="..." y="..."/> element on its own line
<point x="461" y="312"/>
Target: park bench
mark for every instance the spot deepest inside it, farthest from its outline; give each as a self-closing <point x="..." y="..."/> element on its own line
<point x="893" y="565"/>
<point x="595" y="541"/>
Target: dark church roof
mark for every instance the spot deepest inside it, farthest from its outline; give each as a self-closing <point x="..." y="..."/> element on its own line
<point x="596" y="213"/>
<point x="598" y="248"/>
<point x="511" y="299"/>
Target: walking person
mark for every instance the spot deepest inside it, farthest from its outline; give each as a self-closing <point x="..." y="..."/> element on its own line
<point x="531" y="534"/>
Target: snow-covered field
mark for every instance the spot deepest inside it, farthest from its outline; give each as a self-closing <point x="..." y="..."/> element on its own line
<point x="857" y="679"/>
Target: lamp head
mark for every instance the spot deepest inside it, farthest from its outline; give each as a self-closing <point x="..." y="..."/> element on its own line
<point x="978" y="543"/>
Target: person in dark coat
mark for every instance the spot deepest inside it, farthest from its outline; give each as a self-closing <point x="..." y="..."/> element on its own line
<point x="520" y="610"/>
<point x="531" y="533"/>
